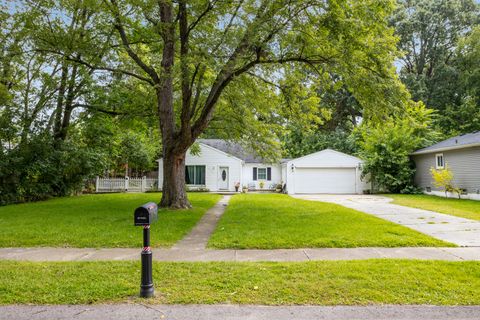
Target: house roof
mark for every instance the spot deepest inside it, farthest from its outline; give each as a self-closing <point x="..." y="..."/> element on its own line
<point x="232" y="148"/>
<point x="325" y="151"/>
<point x="458" y="142"/>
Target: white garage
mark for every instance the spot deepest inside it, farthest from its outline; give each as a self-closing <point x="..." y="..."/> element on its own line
<point x="326" y="171"/>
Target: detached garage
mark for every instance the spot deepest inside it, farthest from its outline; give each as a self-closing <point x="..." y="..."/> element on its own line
<point x="326" y="171"/>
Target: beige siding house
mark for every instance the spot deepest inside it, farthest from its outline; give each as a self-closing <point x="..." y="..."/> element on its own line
<point x="461" y="153"/>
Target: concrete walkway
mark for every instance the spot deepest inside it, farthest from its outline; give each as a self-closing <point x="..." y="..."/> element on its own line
<point x="197" y="239"/>
<point x="230" y="312"/>
<point x="460" y="231"/>
<point x="86" y="254"/>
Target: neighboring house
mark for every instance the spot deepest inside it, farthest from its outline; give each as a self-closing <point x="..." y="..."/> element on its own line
<point x="221" y="164"/>
<point x="461" y="153"/>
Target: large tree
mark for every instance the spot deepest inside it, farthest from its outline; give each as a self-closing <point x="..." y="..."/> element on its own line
<point x="196" y="55"/>
<point x="430" y="32"/>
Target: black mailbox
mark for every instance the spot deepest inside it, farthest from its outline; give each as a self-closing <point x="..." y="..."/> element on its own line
<point x="146" y="214"/>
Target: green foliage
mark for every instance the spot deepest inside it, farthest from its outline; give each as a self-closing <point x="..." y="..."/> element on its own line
<point x="298" y="142"/>
<point x="385" y="147"/>
<point x="439" y="39"/>
<point x="443" y="178"/>
<point x="121" y="143"/>
<point x="41" y="169"/>
<point x="60" y="122"/>
<point x="468" y="57"/>
<point x="247" y="114"/>
<point x="336" y="116"/>
<point x="263" y="55"/>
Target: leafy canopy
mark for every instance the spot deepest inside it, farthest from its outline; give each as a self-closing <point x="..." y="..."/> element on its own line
<point x="276" y="53"/>
<point x="386" y="147"/>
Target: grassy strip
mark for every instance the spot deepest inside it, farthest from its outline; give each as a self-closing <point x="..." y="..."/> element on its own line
<point x="318" y="283"/>
<point x="268" y="221"/>
<point x="469" y="209"/>
<point x="102" y="220"/>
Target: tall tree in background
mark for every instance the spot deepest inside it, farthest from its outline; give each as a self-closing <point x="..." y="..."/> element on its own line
<point x="339" y="113"/>
<point x="429" y="32"/>
<point x="465" y="117"/>
<point x="192" y="52"/>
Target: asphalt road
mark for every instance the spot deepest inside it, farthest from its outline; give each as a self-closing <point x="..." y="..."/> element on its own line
<point x="230" y="312"/>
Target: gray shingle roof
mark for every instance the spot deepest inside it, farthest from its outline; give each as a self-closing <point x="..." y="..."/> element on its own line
<point x="458" y="142"/>
<point x="232" y="148"/>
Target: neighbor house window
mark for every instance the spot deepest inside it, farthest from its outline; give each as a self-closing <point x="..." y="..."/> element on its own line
<point x="195" y="175"/>
<point x="439" y="161"/>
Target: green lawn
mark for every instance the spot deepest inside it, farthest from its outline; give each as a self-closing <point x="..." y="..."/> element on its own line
<point x="314" y="283"/>
<point x="101" y="220"/>
<point x="469" y="209"/>
<point x="267" y="221"/>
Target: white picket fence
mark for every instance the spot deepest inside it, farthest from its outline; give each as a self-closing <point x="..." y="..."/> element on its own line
<point x="125" y="184"/>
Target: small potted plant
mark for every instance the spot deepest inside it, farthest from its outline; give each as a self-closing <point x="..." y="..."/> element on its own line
<point x="237" y="186"/>
<point x="244" y="189"/>
<point x="261" y="184"/>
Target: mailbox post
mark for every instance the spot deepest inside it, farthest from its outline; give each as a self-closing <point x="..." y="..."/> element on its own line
<point x="144" y="216"/>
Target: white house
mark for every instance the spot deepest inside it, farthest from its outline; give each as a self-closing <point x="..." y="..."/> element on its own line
<point x="221" y="164"/>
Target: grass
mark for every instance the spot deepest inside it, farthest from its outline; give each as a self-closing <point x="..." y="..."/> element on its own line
<point x="268" y="221"/>
<point x="101" y="220"/>
<point x="464" y="208"/>
<point x="313" y="283"/>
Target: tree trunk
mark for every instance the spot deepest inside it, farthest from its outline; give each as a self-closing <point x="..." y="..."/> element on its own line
<point x="174" y="194"/>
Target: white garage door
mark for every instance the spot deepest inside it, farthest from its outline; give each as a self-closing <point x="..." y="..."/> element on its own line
<point x="325" y="180"/>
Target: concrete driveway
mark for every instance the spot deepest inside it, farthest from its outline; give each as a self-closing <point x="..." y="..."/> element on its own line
<point x="460" y="231"/>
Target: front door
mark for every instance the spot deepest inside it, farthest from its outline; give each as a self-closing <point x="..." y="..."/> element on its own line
<point x="223" y="178"/>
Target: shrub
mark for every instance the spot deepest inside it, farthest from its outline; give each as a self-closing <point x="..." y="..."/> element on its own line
<point x="443" y="178"/>
<point x="386" y="148"/>
<point x="41" y="169"/>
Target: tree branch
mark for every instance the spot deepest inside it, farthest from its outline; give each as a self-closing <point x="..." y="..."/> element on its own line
<point x="121" y="30"/>
<point x="102" y="110"/>
<point x="209" y="7"/>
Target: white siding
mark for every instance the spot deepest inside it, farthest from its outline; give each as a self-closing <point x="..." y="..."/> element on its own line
<point x="248" y="174"/>
<point x="212" y="159"/>
<point x="326" y="159"/>
<point x="325" y="180"/>
<point x="284" y="173"/>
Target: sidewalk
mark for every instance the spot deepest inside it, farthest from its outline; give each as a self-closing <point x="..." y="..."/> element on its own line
<point x="197" y="239"/>
<point x="86" y="254"/>
<point x="230" y="312"/>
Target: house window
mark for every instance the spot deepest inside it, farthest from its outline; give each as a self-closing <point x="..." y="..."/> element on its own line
<point x="262" y="173"/>
<point x="195" y="175"/>
<point x="439" y="161"/>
